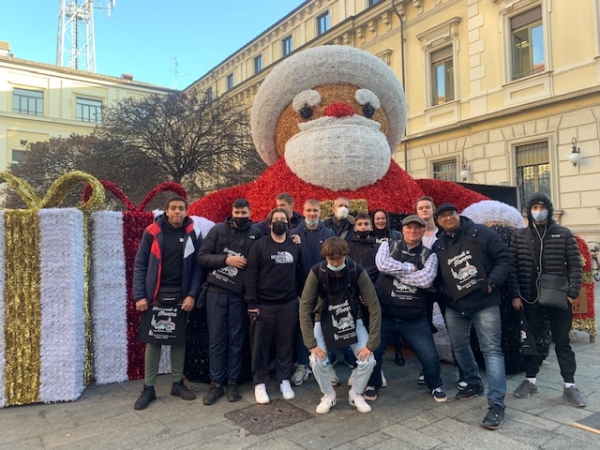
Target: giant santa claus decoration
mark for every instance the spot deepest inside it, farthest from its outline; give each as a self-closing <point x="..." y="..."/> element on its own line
<point x="327" y="121"/>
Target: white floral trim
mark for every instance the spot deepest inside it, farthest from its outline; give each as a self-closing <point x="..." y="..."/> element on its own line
<point x="2" y="344"/>
<point x="328" y="64"/>
<point x="62" y="339"/>
<point x="494" y="212"/>
<point x="202" y="225"/>
<point x="109" y="298"/>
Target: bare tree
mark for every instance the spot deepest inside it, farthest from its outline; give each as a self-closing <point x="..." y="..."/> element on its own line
<point x="45" y="162"/>
<point x="202" y="143"/>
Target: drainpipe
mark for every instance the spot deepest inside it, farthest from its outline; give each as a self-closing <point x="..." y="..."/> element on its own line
<point x="403" y="79"/>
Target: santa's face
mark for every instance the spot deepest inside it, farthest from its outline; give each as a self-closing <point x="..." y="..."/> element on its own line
<point x="334" y="137"/>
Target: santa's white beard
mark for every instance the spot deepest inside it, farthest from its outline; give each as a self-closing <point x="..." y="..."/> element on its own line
<point x="339" y="153"/>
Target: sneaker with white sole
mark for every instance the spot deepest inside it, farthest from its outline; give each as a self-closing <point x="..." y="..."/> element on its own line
<point x="352" y="377"/>
<point x="358" y="401"/>
<point x="421" y="379"/>
<point x="525" y="389"/>
<point x="370" y="393"/>
<point x="383" y="380"/>
<point x="260" y="394"/>
<point x="333" y="376"/>
<point x="286" y="390"/>
<point x="300" y="375"/>
<point x="439" y="395"/>
<point x="461" y="385"/>
<point x="327" y="402"/>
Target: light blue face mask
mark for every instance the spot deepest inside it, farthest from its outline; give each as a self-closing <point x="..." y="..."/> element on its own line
<point x="539" y="216"/>
<point x="336" y="269"/>
<point x="312" y="223"/>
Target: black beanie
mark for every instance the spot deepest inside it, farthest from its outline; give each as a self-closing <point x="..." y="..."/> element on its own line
<point x="539" y="198"/>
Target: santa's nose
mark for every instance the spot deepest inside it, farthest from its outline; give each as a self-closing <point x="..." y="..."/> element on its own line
<point x="339" y="110"/>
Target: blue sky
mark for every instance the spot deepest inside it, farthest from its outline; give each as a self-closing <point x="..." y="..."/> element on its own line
<point x="142" y="37"/>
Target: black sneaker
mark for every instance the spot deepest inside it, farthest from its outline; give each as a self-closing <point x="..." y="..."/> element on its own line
<point x="494" y="417"/>
<point x="471" y="391"/>
<point x="181" y="390"/>
<point x="214" y="393"/>
<point x="370" y="393"/>
<point x="148" y="395"/>
<point x="233" y="391"/>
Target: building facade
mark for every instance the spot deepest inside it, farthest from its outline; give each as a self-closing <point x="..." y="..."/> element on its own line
<point x="40" y="101"/>
<point x="499" y="92"/>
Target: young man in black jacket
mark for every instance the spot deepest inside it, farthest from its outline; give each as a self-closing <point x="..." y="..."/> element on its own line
<point x="473" y="263"/>
<point x="272" y="284"/>
<point x="224" y="254"/>
<point x="544" y="247"/>
<point x="166" y="283"/>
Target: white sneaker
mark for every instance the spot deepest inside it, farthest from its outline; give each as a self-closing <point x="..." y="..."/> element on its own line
<point x="260" y="394"/>
<point x="327" y="402"/>
<point x="351" y="379"/>
<point x="383" y="380"/>
<point x="358" y="401"/>
<point x="300" y="375"/>
<point x="286" y="390"/>
<point x="333" y="376"/>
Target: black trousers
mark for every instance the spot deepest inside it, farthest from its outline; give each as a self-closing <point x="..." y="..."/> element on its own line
<point x="275" y="323"/>
<point x="227" y="323"/>
<point x="560" y="325"/>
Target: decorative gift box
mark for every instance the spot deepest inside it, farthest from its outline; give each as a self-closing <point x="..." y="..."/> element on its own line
<point x="45" y="322"/>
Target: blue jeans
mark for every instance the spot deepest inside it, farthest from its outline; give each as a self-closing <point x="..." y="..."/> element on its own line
<point x="489" y="334"/>
<point x="417" y="334"/>
<point x="363" y="368"/>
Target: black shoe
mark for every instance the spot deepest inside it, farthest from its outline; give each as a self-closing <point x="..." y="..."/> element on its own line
<point x="494" y="417"/>
<point x="214" y="393"/>
<point x="181" y="390"/>
<point x="399" y="357"/>
<point x="233" y="391"/>
<point x="471" y="391"/>
<point x="371" y="393"/>
<point x="148" y="395"/>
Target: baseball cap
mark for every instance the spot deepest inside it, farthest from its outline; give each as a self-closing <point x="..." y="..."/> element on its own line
<point x="445" y="207"/>
<point x="413" y="219"/>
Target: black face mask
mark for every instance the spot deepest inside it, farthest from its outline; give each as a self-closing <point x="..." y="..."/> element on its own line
<point x="241" y="222"/>
<point x="279" y="227"/>
<point x="363" y="234"/>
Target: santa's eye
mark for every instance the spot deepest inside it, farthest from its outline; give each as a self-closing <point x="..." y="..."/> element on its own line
<point x="369" y="102"/>
<point x="305" y="101"/>
<point x="306" y="112"/>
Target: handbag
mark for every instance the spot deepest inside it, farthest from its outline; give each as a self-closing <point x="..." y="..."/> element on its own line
<point x="552" y="291"/>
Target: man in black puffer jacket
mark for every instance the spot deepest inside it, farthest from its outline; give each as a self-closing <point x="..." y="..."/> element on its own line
<point x="473" y="263"/>
<point x="544" y="247"/>
<point x="224" y="255"/>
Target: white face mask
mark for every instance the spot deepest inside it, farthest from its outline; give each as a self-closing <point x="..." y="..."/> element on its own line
<point x="539" y="216"/>
<point x="341" y="213"/>
<point x="312" y="223"/>
<point x="336" y="269"/>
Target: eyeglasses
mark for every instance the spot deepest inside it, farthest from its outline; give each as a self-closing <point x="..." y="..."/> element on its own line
<point x="446" y="214"/>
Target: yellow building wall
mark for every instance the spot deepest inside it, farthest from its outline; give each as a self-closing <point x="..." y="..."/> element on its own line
<point x="491" y="113"/>
<point x="60" y="88"/>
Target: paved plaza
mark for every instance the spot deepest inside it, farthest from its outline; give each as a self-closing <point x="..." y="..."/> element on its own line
<point x="404" y="416"/>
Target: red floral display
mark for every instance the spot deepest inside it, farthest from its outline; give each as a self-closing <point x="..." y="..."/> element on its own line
<point x="396" y="192"/>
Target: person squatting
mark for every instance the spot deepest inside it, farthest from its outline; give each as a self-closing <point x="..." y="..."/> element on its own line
<point x="293" y="284"/>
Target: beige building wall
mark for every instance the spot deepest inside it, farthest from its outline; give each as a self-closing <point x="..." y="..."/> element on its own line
<point x="61" y="89"/>
<point x="493" y="115"/>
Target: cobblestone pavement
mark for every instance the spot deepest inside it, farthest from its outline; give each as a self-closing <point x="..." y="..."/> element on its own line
<point x="404" y="416"/>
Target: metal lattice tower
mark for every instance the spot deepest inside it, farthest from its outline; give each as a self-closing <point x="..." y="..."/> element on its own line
<point x="75" y="45"/>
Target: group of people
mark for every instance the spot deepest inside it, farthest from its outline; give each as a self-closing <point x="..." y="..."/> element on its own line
<point x="306" y="288"/>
